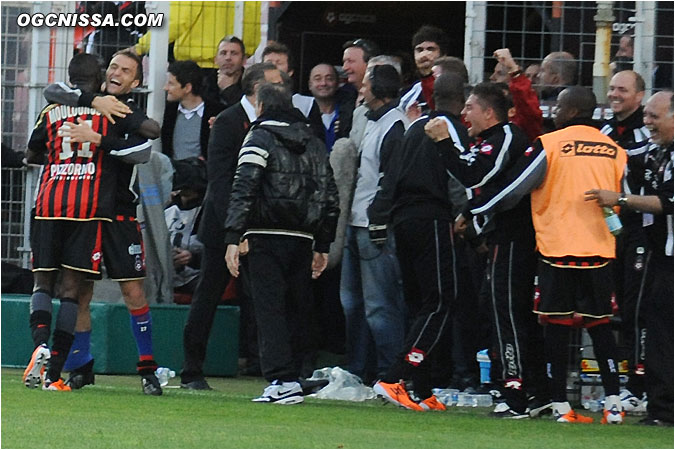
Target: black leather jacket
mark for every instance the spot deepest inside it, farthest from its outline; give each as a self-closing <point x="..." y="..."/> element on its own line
<point x="284" y="183"/>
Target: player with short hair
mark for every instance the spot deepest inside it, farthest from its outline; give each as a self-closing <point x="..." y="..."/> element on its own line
<point x="71" y="203"/>
<point x="122" y="242"/>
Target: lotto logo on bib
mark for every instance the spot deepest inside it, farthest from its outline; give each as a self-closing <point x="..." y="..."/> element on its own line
<point x="96" y="256"/>
<point x="587" y="148"/>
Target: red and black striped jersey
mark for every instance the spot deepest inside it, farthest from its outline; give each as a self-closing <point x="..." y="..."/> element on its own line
<point x="74" y="183"/>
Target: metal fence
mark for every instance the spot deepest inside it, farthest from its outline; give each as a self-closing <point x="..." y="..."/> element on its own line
<point x="534" y="29"/>
<point x="16" y="184"/>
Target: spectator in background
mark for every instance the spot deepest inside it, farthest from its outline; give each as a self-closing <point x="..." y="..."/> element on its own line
<point x="429" y="43"/>
<point x="651" y="166"/>
<point x="532" y="72"/>
<point x="106" y="41"/>
<point x="527" y="115"/>
<point x="335" y="111"/>
<point x="450" y="64"/>
<point x="407" y="63"/>
<point x="625" y="46"/>
<point x="185" y="128"/>
<point x="370" y="288"/>
<point x="558" y="70"/>
<point x="355" y="57"/>
<point x="224" y="85"/>
<point x="621" y="63"/>
<point x="182" y="220"/>
<point x="625" y="94"/>
<point x="280" y="55"/>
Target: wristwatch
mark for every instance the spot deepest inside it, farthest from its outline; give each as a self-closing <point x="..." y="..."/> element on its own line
<point x="622" y="200"/>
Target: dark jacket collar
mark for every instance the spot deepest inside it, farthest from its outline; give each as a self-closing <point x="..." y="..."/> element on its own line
<point x="492" y="130"/>
<point x="282" y="115"/>
<point x="635" y="120"/>
<point x="437" y="113"/>
<point x="377" y="114"/>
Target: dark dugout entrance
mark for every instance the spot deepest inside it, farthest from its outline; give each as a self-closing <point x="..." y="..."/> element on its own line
<point x="315" y="31"/>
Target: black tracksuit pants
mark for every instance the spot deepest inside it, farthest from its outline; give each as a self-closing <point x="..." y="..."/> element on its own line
<point x="280" y="274"/>
<point x="631" y="270"/>
<point x="426" y="254"/>
<point x="517" y="336"/>
<point x="659" y="347"/>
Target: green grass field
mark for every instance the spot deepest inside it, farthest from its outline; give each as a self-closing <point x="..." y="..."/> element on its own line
<point x="115" y="414"/>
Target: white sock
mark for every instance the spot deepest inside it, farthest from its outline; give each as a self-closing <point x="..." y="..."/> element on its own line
<point x="561" y="408"/>
<point x="611" y="401"/>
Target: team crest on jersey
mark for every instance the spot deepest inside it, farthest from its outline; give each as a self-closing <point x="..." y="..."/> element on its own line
<point x="486" y="149"/>
<point x="138" y="264"/>
<point x="415" y="357"/>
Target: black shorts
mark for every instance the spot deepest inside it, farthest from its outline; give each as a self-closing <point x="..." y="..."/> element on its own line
<point x="69" y="244"/>
<point x="123" y="251"/>
<point x="586" y="291"/>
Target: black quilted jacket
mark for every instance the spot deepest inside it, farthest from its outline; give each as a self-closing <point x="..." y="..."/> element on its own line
<point x="284" y="183"/>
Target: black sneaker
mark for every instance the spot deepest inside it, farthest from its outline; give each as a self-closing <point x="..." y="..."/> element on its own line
<point x="312" y="386"/>
<point x="149" y="381"/>
<point x="81" y="376"/>
<point x="504" y="411"/>
<point x="197" y="385"/>
<point x="538" y="406"/>
<point x="652" y="422"/>
<point x="151" y="384"/>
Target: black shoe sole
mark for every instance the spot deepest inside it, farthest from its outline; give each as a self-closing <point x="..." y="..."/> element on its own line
<point x="536" y="412"/>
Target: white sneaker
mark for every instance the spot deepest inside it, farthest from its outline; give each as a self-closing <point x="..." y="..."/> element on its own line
<point x="34" y="372"/>
<point x="631" y="404"/>
<point x="287" y="393"/>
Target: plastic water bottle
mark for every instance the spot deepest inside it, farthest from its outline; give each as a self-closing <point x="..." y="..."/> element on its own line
<point x="446" y="396"/>
<point x="464" y="399"/>
<point x="484" y="362"/>
<point x="612" y="220"/>
<point x="164" y="374"/>
<point x="483" y="400"/>
<point x="594" y="405"/>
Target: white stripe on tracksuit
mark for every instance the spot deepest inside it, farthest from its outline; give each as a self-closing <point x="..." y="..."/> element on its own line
<point x="440" y="293"/>
<point x="512" y="324"/>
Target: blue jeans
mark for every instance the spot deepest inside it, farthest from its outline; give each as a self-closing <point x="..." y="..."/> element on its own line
<point x="372" y="299"/>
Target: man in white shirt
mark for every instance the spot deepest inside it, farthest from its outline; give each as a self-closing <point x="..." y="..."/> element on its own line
<point x="185" y="128"/>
